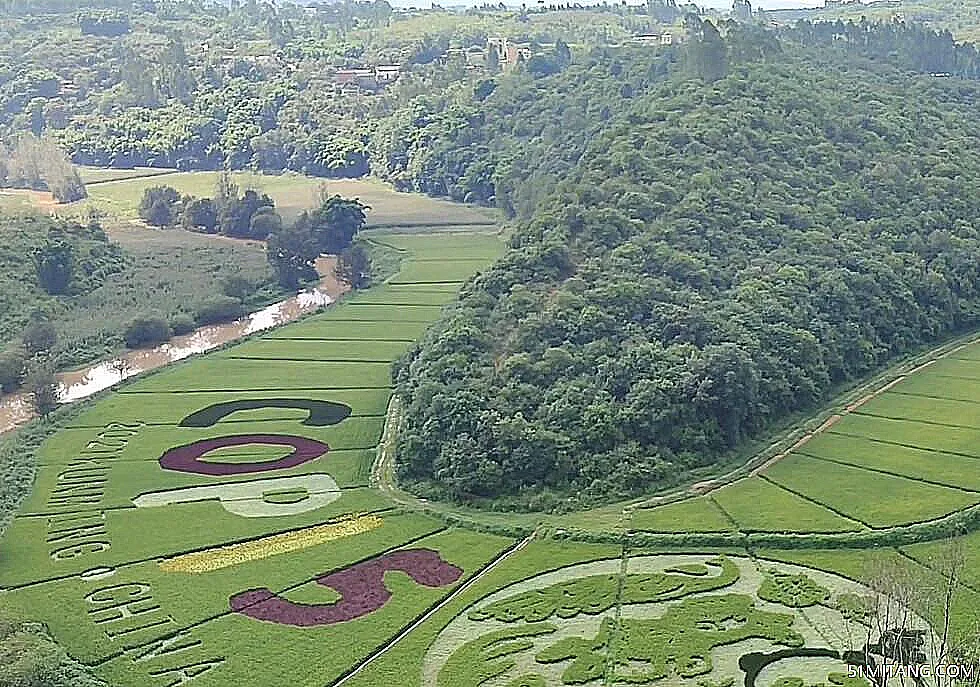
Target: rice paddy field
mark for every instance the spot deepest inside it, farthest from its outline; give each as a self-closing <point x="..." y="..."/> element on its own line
<point x="224" y="522"/>
<point x="909" y="455"/>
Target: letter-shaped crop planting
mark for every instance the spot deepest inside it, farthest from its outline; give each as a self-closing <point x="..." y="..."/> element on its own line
<point x="361" y="587"/>
<point x="188" y="458"/>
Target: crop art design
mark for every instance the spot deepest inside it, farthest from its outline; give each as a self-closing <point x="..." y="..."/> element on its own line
<point x="321" y="413"/>
<point x="659" y="620"/>
<point x="361" y="587"/>
<point x="189" y="458"/>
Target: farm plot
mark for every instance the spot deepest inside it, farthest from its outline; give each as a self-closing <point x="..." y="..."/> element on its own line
<point x="875" y="499"/>
<point x="928" y="384"/>
<point x="326" y="351"/>
<point x="373" y="312"/>
<point x="351" y="610"/>
<point x="485" y="246"/>
<point x="922" y="464"/>
<point x="913" y="433"/>
<point x="674" y="617"/>
<point x="195" y="522"/>
<point x="939" y="411"/>
<point x="692" y="515"/>
<point x="438" y="271"/>
<point x="215" y="374"/>
<point x="169" y="408"/>
<point x="761" y="506"/>
<point x="292" y="193"/>
<point x="403" y="664"/>
<point x="323" y="329"/>
<point x="432" y="294"/>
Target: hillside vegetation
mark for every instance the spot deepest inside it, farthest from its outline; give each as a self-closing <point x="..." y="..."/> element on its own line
<point x="87" y="289"/>
<point x="722" y="254"/>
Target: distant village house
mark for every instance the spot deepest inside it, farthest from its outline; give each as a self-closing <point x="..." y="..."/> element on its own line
<point x="369" y="80"/>
<point x="665" y="38"/>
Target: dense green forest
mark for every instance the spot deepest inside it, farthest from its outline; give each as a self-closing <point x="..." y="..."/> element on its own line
<point x="732" y="237"/>
<point x="204" y="87"/>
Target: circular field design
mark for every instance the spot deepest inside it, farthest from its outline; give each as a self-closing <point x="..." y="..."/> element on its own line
<point x="664" y="620"/>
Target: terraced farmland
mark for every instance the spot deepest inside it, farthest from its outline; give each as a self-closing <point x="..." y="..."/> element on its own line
<point x="905" y="457"/>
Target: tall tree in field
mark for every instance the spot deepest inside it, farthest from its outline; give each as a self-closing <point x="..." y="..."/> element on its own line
<point x="39" y="336"/>
<point x="43" y="388"/>
<point x="292" y="253"/>
<point x="707" y="50"/>
<point x="336" y="222"/>
<point x="896" y="634"/>
<point x="158" y="207"/>
<point x="354" y="266"/>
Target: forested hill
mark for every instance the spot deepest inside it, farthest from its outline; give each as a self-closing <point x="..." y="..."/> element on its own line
<point x="722" y="255"/>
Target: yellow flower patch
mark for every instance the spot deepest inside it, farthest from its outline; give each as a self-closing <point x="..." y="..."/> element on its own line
<point x="233" y="554"/>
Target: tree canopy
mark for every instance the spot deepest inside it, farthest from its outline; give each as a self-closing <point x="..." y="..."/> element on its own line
<point x="721" y="251"/>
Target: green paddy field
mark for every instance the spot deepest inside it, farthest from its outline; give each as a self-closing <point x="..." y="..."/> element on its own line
<point x="228" y="521"/>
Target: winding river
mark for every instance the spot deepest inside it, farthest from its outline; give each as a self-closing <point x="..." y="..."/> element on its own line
<point x="17" y="409"/>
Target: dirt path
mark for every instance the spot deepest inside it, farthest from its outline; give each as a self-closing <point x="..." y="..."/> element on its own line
<point x="851" y="407"/>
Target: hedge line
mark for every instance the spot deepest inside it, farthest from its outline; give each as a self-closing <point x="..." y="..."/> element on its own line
<point x="953" y="525"/>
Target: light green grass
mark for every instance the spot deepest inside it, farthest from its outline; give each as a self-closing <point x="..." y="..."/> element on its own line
<point x="437" y="271"/>
<point x="97" y="175"/>
<point x="961" y="368"/>
<point x="402" y="295"/>
<point x="449" y="247"/>
<point x="165" y="407"/>
<point x="971" y="352"/>
<point x="931" y="385"/>
<point x="924" y="435"/>
<point x="872" y="498"/>
<point x="327" y="329"/>
<point x="692" y="515"/>
<point x="363" y="312"/>
<point x="292" y="194"/>
<point x="291" y="349"/>
<point x="932" y="466"/>
<point x="259" y="656"/>
<point x="760" y="506"/>
<point x="217" y="374"/>
<point x="16" y="202"/>
<point x="936" y="410"/>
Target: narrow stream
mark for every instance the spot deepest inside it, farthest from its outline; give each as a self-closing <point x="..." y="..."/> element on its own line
<point x="16" y="409"/>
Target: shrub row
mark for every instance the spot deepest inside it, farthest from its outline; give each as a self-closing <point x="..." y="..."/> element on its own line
<point x="953" y="525"/>
<point x="146" y="332"/>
